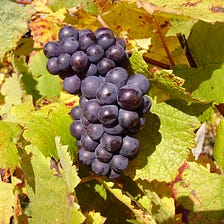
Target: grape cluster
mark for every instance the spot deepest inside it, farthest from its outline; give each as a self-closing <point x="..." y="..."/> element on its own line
<point x="112" y="103"/>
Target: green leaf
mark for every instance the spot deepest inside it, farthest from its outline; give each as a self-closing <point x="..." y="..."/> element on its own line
<point x="219" y="145"/>
<point x="205" y="82"/>
<point x="13" y="24"/>
<point x="69" y="171"/>
<point x="201" y="194"/>
<point x="207" y="10"/>
<point x="42" y="126"/>
<point x="48" y="85"/>
<point x="165" y="142"/>
<point x="8" y="149"/>
<point x="50" y="200"/>
<point x="7" y="202"/>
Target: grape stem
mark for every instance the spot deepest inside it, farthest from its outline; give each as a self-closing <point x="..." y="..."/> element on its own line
<point x="163" y="42"/>
<point x="156" y="63"/>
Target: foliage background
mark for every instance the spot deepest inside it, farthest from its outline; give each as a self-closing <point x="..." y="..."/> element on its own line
<point x="179" y="46"/>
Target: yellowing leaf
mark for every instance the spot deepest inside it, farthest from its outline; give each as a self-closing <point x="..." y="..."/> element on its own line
<point x="7" y="201"/>
<point x="95" y="218"/>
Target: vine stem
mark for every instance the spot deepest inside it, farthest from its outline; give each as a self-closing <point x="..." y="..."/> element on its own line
<point x="164" y="42"/>
<point x="103" y="23"/>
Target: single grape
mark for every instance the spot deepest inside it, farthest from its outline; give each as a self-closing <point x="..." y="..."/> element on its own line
<point x="118" y="76"/>
<point x="51" y="49"/>
<point x="89" y="86"/>
<point x="86" y="40"/>
<point x="90" y="110"/>
<point x="147" y="104"/>
<point x="64" y="62"/>
<point x="103" y="30"/>
<point x="107" y="93"/>
<point x="68" y="45"/>
<point x="68" y="31"/>
<point x="95" y="131"/>
<point x="99" y="168"/>
<point x="79" y="61"/>
<point x="77" y="129"/>
<point x="105" y="40"/>
<point x="114" y="130"/>
<point x="95" y="53"/>
<point x="130" y="147"/>
<point x="118" y="163"/>
<point x="79" y="144"/>
<point x="76" y="112"/>
<point x="129" y="97"/>
<point x="105" y="65"/>
<point x="72" y="84"/>
<point x="121" y="42"/>
<point x="52" y="66"/>
<point x="91" y="71"/>
<point x="139" y="81"/>
<point x="111" y="143"/>
<point x="86" y="157"/>
<point x="116" y="53"/>
<point x="108" y="114"/>
<point x="88" y="143"/>
<point x="128" y="119"/>
<point x="102" y="154"/>
<point x="113" y="174"/>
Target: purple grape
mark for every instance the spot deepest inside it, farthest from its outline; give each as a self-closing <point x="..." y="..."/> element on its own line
<point x="100" y="168"/>
<point x="108" y="114"/>
<point x="79" y="61"/>
<point x="95" y="131"/>
<point x="90" y="86"/>
<point x="119" y="163"/>
<point x="92" y="70"/>
<point x="90" y="110"/>
<point x="72" y="84"/>
<point x="76" y="112"/>
<point x="130" y="147"/>
<point x="77" y="129"/>
<point x="68" y="31"/>
<point x="116" y="53"/>
<point x="105" y="65"/>
<point x="64" y="62"/>
<point x="102" y="154"/>
<point x="86" y="157"/>
<point x="86" y="40"/>
<point x="68" y="45"/>
<point x="129" y="97"/>
<point x="107" y="93"/>
<point x="128" y="119"/>
<point x="82" y="101"/>
<point x="139" y="81"/>
<point x="121" y="42"/>
<point x="88" y="143"/>
<point x="111" y="143"/>
<point x="95" y="53"/>
<point x="105" y="40"/>
<point x="118" y="76"/>
<point x="51" y="49"/>
<point x="52" y="66"/>
<point x="138" y="127"/>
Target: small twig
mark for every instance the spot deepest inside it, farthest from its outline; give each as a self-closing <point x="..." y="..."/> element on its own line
<point x="184" y="45"/>
<point x="89" y="178"/>
<point x="100" y="19"/>
<point x="156" y="63"/>
<point x="164" y="42"/>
